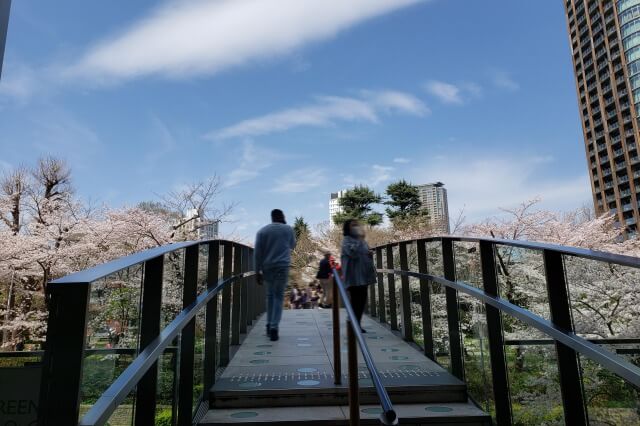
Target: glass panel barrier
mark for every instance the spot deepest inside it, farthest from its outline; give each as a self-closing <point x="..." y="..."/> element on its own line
<point x="167" y="390"/>
<point x="605" y="305"/>
<point x="124" y="413"/>
<point x="532" y="371"/>
<point x="477" y="361"/>
<point x="172" y="286"/>
<point x="112" y="332"/>
<point x="467" y="261"/>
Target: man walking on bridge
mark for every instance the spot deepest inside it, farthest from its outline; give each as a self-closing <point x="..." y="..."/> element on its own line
<point x="273" y="247"/>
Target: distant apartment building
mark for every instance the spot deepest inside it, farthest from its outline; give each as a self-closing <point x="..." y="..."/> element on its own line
<point x="605" y="47"/>
<point x="334" y="204"/>
<point x="434" y="198"/>
<point x="204" y="229"/>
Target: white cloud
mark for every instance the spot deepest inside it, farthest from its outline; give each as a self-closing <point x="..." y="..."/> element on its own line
<point x="19" y="82"/>
<point x="453" y="94"/>
<point x="375" y="176"/>
<point x="445" y="92"/>
<point x="196" y="37"/>
<point x="503" y="80"/>
<point x="253" y="162"/>
<point x="326" y="111"/>
<point x="401" y="160"/>
<point x="481" y="185"/>
<point x="302" y="180"/>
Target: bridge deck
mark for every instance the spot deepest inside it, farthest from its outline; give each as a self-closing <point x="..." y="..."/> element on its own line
<point x="297" y="372"/>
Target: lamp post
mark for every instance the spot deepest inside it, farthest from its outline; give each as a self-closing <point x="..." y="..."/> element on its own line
<point x="5" y="5"/>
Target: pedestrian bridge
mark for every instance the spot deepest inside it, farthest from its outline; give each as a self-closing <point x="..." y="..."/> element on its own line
<point x="448" y="341"/>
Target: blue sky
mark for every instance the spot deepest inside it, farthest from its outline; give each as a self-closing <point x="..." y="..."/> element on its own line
<point x="288" y="100"/>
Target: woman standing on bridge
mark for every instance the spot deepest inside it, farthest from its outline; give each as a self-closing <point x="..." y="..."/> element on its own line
<point x="357" y="265"/>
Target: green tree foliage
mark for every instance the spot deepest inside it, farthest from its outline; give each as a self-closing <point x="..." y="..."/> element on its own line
<point x="300" y="227"/>
<point x="404" y="201"/>
<point x="357" y="204"/>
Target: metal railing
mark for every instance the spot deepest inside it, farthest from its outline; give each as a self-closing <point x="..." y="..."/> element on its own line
<point x="69" y="319"/>
<point x="559" y="328"/>
<point x="354" y="334"/>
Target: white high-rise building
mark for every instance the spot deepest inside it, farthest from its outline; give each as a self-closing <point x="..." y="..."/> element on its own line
<point x="334" y="204"/>
<point x="434" y="198"/>
<point x="205" y="229"/>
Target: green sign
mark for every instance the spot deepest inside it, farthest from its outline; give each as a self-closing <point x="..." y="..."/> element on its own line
<point x="19" y="391"/>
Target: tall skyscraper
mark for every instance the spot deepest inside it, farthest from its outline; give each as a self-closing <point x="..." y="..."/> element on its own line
<point x="334" y="204"/>
<point x="605" y="43"/>
<point x="434" y="198"/>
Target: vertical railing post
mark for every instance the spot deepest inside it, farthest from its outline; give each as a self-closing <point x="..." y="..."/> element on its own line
<point x="382" y="309"/>
<point x="575" y="412"/>
<point x="352" y="354"/>
<point x="373" y="307"/>
<point x="236" y="295"/>
<point x="495" y="336"/>
<point x="149" y="329"/>
<point x="211" y="319"/>
<point x="251" y="289"/>
<point x="391" y="284"/>
<point x="225" y="310"/>
<point x="425" y="300"/>
<point x="244" y="291"/>
<point x="453" y="320"/>
<point x="405" y="295"/>
<point x="64" y="354"/>
<point x="335" y="310"/>
<point x="187" y="338"/>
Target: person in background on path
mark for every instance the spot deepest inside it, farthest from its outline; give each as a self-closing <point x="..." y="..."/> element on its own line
<point x="272" y="256"/>
<point x="294" y="297"/>
<point x="314" y="296"/>
<point x="358" y="270"/>
<point x="325" y="277"/>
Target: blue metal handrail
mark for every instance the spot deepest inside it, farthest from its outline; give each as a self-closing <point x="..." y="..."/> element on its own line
<point x="612" y="362"/>
<point x="118" y="391"/>
<point x="389" y="416"/>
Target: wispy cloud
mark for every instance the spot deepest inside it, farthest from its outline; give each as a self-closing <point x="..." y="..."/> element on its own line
<point x="374" y="176"/>
<point x="19" y="82"/>
<point x="326" y="111"/>
<point x="197" y="37"/>
<point x="503" y="80"/>
<point x="401" y="160"/>
<point x="486" y="183"/>
<point x="302" y="180"/>
<point x="453" y="94"/>
<point x="253" y="162"/>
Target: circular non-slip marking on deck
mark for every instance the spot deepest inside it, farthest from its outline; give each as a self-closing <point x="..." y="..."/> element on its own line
<point x="308" y="382"/>
<point x="302" y="339"/>
<point x="389" y="350"/>
<point x="262" y="353"/>
<point x="371" y="410"/>
<point x="398" y="357"/>
<point x="244" y="415"/>
<point x="250" y="385"/>
<point x="259" y="361"/>
<point x="375" y="337"/>
<point x="307" y="370"/>
<point x="264" y="346"/>
<point x="303" y="345"/>
<point x="438" y="409"/>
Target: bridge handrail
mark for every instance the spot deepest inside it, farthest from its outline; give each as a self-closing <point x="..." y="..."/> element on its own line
<point x="116" y="393"/>
<point x="583" y="253"/>
<point x="612" y="362"/>
<point x="560" y="326"/>
<point x="388" y="416"/>
<point x="104" y="270"/>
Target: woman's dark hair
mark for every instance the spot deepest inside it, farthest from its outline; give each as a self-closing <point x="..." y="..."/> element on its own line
<point x="346" y="227"/>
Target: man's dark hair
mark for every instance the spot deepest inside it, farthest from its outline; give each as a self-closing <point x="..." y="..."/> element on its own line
<point x="346" y="227"/>
<point x="277" y="216"/>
